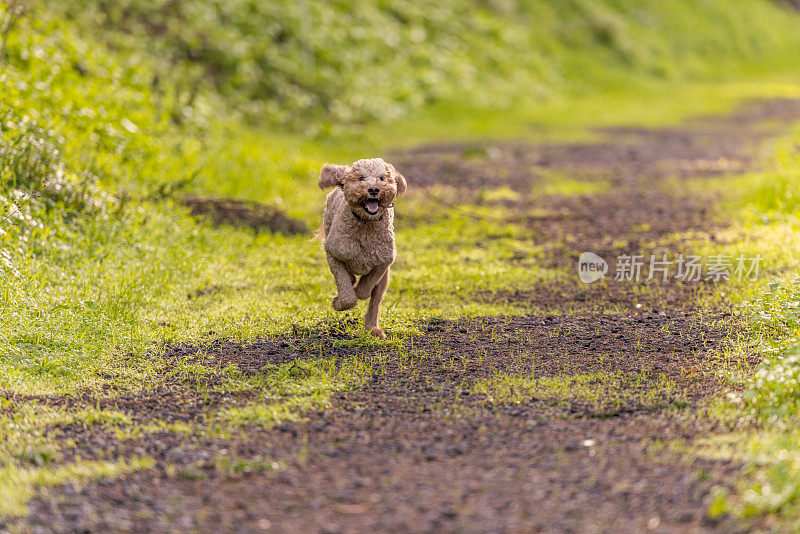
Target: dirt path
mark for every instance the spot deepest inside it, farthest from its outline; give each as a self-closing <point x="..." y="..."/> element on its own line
<point x="434" y="441"/>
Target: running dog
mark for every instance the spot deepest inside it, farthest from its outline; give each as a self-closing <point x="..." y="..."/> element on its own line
<point x="358" y="232"/>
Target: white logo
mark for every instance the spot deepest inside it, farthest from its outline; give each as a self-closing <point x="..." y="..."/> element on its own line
<point x="591" y="267"/>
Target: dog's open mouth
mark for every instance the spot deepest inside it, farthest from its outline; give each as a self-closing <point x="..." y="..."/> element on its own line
<point x="371" y="206"/>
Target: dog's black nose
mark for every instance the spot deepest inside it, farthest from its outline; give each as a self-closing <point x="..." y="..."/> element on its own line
<point x="374" y="191"/>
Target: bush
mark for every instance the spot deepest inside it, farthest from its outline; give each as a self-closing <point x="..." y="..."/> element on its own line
<point x="34" y="184"/>
<point x="311" y="64"/>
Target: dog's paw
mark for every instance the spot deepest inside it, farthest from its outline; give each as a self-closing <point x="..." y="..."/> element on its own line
<point x="341" y="303"/>
<point x="377" y="332"/>
<point x="362" y="291"/>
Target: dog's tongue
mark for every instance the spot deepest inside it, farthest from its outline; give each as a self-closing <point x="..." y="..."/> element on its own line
<point x="372" y="206"/>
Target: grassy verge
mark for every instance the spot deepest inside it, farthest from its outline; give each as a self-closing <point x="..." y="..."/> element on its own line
<point x="765" y="407"/>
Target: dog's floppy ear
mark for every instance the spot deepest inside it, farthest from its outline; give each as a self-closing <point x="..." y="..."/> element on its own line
<point x="401" y="181"/>
<point x="331" y="175"/>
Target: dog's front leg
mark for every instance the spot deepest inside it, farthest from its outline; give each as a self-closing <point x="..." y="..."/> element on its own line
<point x="367" y="282"/>
<point x="346" y="298"/>
<point x="374" y="308"/>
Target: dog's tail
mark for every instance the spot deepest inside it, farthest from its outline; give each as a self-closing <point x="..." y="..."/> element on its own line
<point x="319" y="235"/>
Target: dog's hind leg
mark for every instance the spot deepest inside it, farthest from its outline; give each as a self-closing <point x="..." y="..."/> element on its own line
<point x="346" y="298"/>
<point x="374" y="308"/>
<point x="367" y="282"/>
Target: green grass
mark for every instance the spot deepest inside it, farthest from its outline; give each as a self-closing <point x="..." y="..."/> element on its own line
<point x="32" y="457"/>
<point x="262" y="284"/>
<point x="32" y="454"/>
<point x="17" y="486"/>
<point x="294" y="389"/>
<point x="601" y="391"/>
<point x="560" y="184"/>
<point x="766" y="222"/>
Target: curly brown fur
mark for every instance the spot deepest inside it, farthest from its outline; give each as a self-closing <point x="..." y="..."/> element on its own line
<point x="358" y="232"/>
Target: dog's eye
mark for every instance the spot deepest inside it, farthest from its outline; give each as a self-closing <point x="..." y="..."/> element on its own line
<point x="362" y="178"/>
<point x="382" y="178"/>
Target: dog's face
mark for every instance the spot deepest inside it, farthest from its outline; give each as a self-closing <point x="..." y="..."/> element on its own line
<point x="370" y="185"/>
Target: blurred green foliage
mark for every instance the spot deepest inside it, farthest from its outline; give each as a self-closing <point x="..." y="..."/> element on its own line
<point x="32" y="171"/>
<point x="765" y="399"/>
<point x="316" y="64"/>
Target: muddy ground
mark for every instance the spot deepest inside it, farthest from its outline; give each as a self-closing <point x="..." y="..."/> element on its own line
<point x="422" y="447"/>
<point x="244" y="213"/>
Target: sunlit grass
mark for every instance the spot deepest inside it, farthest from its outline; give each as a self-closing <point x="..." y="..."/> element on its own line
<point x="31" y="457"/>
<point x="31" y="454"/>
<point x="17" y="486"/>
<point x="169" y="279"/>
<point x="600" y="391"/>
<point x="561" y="184"/>
<point x="763" y="215"/>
